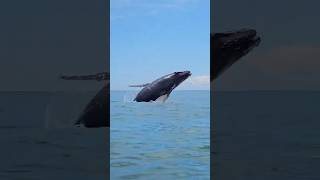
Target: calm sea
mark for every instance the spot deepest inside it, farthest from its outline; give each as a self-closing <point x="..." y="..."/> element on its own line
<point x="258" y="135"/>
<point x="38" y="140"/>
<point x="157" y="140"/>
<point x="266" y="135"/>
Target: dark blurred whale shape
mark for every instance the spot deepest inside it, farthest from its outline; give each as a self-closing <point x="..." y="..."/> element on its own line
<point x="97" y="77"/>
<point x="161" y="88"/>
<point x="97" y="111"/>
<point x="228" y="47"/>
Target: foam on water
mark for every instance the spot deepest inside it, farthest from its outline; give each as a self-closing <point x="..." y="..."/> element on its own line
<point x="129" y="96"/>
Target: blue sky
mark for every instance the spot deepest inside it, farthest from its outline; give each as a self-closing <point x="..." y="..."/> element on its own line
<point x="152" y="38"/>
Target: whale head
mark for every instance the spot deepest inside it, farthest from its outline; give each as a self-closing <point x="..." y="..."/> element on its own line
<point x="179" y="77"/>
<point x="171" y="81"/>
<point x="227" y="48"/>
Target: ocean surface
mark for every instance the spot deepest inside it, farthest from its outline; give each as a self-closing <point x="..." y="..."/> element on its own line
<point x="266" y="135"/>
<point x="169" y="140"/>
<point x="38" y="139"/>
<point x="256" y="135"/>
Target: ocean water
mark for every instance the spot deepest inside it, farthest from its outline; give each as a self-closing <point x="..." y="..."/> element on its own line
<point x="256" y="135"/>
<point x="169" y="140"/>
<point x="38" y="139"/>
<point x="266" y="135"/>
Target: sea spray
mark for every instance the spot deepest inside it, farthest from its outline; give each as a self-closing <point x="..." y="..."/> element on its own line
<point x="129" y="96"/>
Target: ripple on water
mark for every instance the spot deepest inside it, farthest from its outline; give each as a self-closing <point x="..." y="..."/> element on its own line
<point x="122" y="164"/>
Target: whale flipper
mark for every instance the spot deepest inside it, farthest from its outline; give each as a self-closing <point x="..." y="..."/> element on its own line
<point x="162" y="98"/>
<point x="140" y="85"/>
<point x="97" y="77"/>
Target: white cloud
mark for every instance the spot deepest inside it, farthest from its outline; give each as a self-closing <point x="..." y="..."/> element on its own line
<point x="150" y="3"/>
<point x="201" y="82"/>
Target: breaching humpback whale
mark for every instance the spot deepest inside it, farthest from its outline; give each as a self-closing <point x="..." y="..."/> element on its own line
<point x="161" y="88"/>
<point x="227" y="48"/>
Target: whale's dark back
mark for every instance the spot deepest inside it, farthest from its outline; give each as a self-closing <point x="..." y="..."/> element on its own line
<point x="96" y="113"/>
<point x="154" y="90"/>
<point x="161" y="86"/>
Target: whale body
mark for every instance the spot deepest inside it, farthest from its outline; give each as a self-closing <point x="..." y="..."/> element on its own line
<point x="161" y="88"/>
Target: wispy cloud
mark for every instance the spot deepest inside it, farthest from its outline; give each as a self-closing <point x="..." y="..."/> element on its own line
<point x="145" y="7"/>
<point x="150" y="4"/>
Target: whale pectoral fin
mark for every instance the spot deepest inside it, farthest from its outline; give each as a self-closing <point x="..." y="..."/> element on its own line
<point x="140" y="85"/>
<point x="163" y="98"/>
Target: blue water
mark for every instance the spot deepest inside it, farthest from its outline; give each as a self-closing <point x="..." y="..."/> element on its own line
<point x="257" y="135"/>
<point x="156" y="140"/>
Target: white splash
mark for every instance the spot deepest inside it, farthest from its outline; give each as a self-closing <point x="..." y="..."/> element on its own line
<point x="129" y="96"/>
